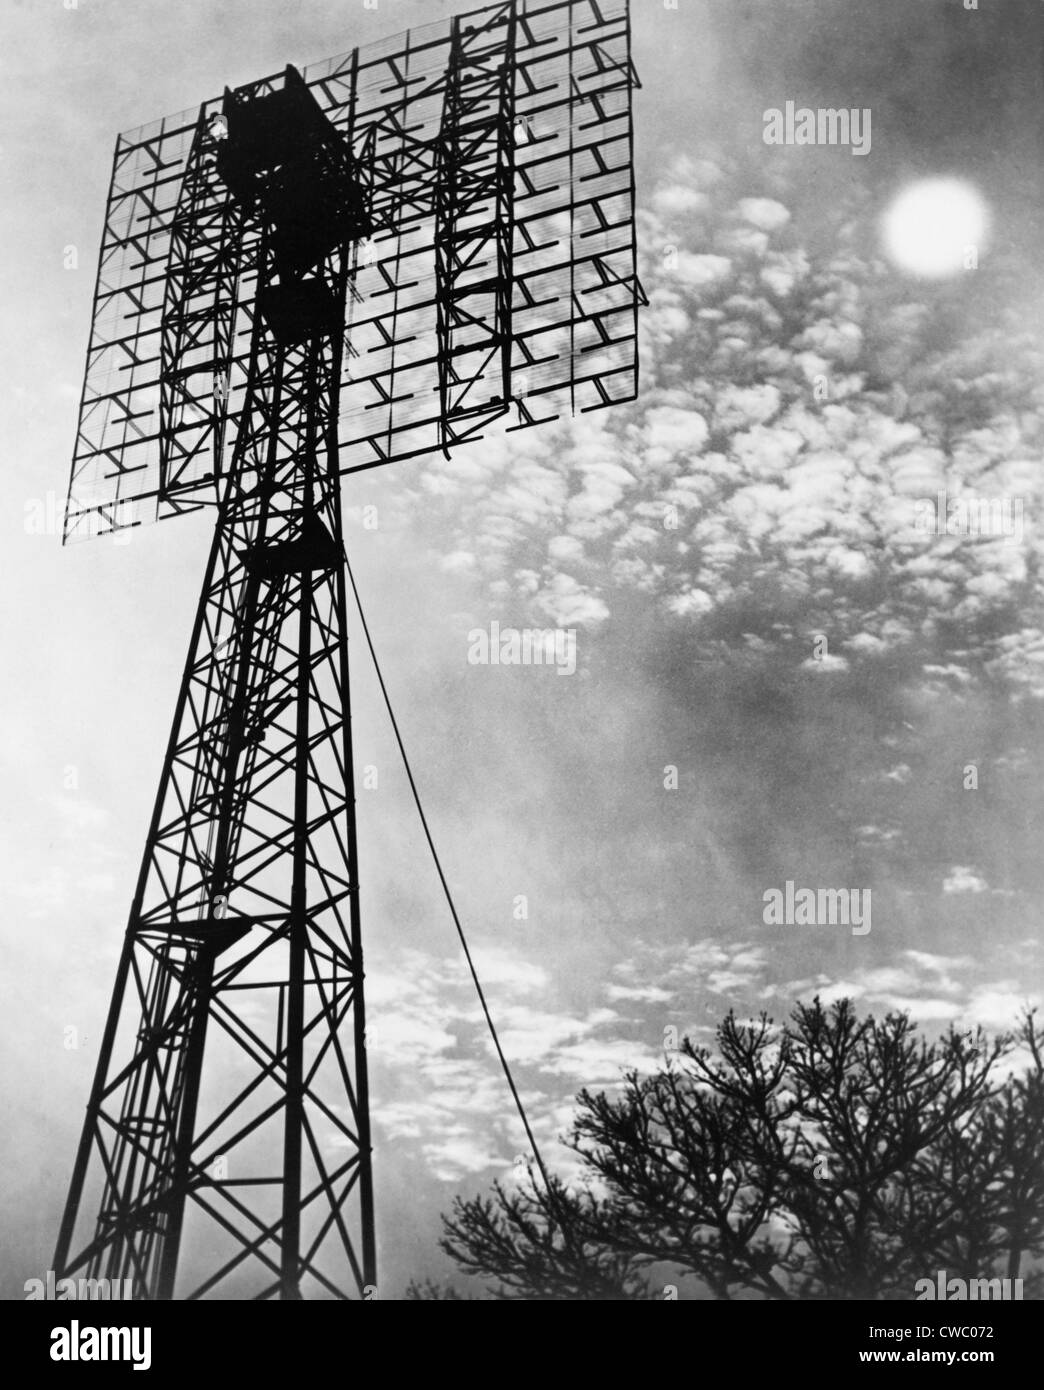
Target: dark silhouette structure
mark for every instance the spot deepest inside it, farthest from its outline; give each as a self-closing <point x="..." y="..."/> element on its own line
<point x="319" y="273"/>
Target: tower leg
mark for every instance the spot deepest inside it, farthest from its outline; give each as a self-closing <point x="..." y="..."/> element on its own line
<point x="226" y="1148"/>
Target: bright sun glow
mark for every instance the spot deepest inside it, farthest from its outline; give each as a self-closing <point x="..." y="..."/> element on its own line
<point x="936" y="227"/>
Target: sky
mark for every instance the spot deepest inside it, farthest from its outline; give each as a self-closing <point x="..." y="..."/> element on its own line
<point x="842" y="700"/>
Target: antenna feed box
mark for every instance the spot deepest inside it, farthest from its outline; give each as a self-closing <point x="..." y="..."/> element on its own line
<point x="288" y="165"/>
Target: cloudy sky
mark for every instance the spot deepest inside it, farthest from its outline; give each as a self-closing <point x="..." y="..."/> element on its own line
<point x="736" y="553"/>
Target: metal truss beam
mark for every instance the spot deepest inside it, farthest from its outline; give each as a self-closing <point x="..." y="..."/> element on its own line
<point x="199" y="316"/>
<point x="474" y="197"/>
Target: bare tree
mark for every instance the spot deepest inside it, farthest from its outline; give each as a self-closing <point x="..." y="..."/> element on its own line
<point x="544" y="1244"/>
<point x="830" y="1158"/>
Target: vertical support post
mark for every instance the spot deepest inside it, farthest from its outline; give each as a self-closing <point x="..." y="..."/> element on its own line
<point x="200" y="975"/>
<point x="290" y="1288"/>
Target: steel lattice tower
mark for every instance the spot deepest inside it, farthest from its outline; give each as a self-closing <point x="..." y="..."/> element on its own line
<point x="226" y="1148"/>
<point x="254" y="807"/>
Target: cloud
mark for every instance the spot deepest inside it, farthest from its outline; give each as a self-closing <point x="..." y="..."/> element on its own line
<point x="436" y="1079"/>
<point x="765" y="213"/>
<point x="962" y="879"/>
<point x="829" y="664"/>
<point x="997" y="1006"/>
<point x="684" y="970"/>
<point x="437" y="1084"/>
<point x="931" y="988"/>
<point x="602" y="1061"/>
<point x="768" y="419"/>
<point x="569" y="604"/>
<point x="646" y="994"/>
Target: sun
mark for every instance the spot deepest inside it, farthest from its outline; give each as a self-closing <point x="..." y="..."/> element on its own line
<point x="936" y="227"/>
